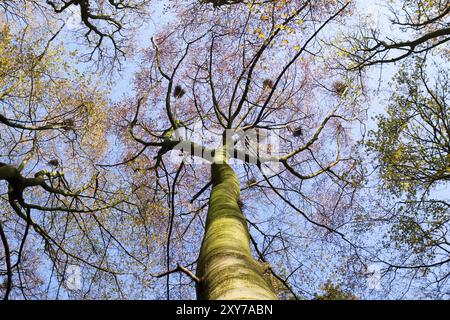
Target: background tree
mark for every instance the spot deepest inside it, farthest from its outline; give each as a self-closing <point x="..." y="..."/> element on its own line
<point x="409" y="142"/>
<point x="106" y="27"/>
<point x="412" y="148"/>
<point x="417" y="27"/>
<point x="55" y="203"/>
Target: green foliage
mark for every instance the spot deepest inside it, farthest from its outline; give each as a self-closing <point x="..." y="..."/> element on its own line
<point x="420" y="227"/>
<point x="331" y="291"/>
<point x="412" y="145"/>
<point x="412" y="141"/>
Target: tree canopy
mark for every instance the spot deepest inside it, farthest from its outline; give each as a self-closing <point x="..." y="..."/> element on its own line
<point x="224" y="150"/>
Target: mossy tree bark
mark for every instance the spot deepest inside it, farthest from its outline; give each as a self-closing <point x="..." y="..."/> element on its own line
<point x="226" y="268"/>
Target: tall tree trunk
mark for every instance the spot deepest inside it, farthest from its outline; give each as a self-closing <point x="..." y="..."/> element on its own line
<point x="226" y="268"/>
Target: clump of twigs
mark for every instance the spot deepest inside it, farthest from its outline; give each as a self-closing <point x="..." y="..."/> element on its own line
<point x="340" y="88"/>
<point x="53" y="163"/>
<point x="68" y="124"/>
<point x="297" y="132"/>
<point x="178" y="92"/>
<point x="251" y="182"/>
<point x="267" y="84"/>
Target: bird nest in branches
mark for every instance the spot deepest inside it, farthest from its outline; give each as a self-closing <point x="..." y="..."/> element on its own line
<point x="340" y="87"/>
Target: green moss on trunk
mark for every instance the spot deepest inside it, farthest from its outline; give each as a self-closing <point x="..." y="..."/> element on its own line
<point x="226" y="267"/>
